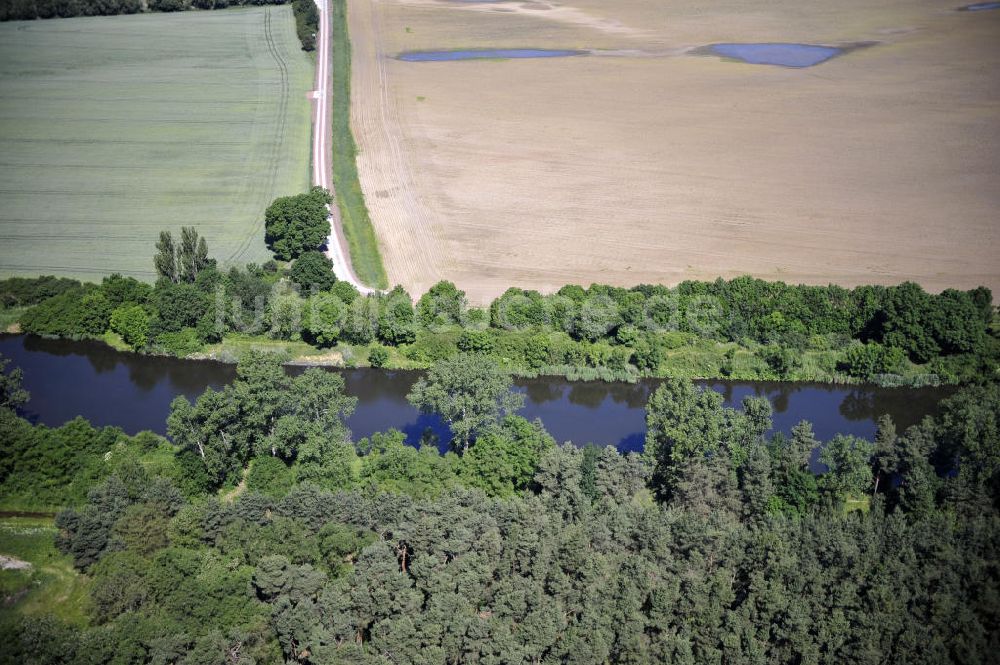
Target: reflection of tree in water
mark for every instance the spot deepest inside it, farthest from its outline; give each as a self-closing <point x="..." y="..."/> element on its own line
<point x="777" y="393"/>
<point x="633" y="395"/>
<point x="55" y="347"/>
<point x="427" y="428"/>
<point x="906" y="406"/>
<point x="190" y="377"/>
<point x="590" y="394"/>
<point x="430" y="438"/>
<point x="724" y="388"/>
<point x="147" y="375"/>
<point x="100" y="356"/>
<point x="633" y="443"/>
<point x="780" y="397"/>
<point x="102" y="362"/>
<point x="542" y="390"/>
<point x="369" y="385"/>
<point x="858" y="405"/>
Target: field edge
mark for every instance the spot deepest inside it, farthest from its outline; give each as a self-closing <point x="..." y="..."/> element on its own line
<point x="358" y="229"/>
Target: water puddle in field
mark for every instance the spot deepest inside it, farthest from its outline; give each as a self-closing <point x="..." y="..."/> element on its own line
<point x="485" y="54"/>
<point x="980" y="7"/>
<point x="780" y="54"/>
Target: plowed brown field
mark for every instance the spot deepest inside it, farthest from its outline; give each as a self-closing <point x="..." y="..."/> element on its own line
<point x="646" y="164"/>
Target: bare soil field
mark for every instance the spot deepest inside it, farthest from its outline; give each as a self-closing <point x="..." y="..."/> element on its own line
<point x="642" y="163"/>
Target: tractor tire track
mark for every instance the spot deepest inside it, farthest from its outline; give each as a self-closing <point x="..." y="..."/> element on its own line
<point x="279" y="133"/>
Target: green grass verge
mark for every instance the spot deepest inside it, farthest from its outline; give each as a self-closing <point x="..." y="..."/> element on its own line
<point x="358" y="228"/>
<point x="233" y="346"/>
<point x="51" y="586"/>
<point x="9" y="316"/>
<point x="117" y="127"/>
<point x="28" y="506"/>
<point x="115" y="341"/>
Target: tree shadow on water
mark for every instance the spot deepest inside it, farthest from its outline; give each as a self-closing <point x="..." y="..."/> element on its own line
<point x="542" y="390"/>
<point x="590" y="395"/>
<point x="858" y="405"/>
<point x="633" y="443"/>
<point x="426" y="428"/>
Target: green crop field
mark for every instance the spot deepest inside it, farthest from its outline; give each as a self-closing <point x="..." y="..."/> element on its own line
<point x="113" y="128"/>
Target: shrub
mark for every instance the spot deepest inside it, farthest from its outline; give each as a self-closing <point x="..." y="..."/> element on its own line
<point x="169" y="5"/>
<point x="866" y="361"/>
<point x="430" y="347"/>
<point x="647" y="355"/>
<point x="24" y="291"/>
<point x="674" y="339"/>
<point x="378" y="356"/>
<point x="181" y="343"/>
<point x="121" y="290"/>
<point x="478" y="341"/>
<point x="132" y="323"/>
<point x="306" y="23"/>
<point x="270" y="476"/>
<point x="82" y="312"/>
<point x="781" y="360"/>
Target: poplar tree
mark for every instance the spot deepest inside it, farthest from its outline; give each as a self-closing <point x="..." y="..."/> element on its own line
<point x="165" y="260"/>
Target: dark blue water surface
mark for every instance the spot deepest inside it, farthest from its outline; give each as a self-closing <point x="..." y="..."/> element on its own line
<point x="67" y="379"/>
<point x="784" y="55"/>
<point x="980" y="6"/>
<point x="485" y="54"/>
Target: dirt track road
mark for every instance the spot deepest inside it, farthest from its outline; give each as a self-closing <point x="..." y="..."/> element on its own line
<point x="336" y="244"/>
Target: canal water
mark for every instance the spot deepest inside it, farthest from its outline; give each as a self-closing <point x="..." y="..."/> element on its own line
<point x="69" y="378"/>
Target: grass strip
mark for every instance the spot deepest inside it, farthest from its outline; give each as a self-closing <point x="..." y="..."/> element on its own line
<point x="358" y="228"/>
<point x="51" y="586"/>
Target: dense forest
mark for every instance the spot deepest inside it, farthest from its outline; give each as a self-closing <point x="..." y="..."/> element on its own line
<point x="743" y="328"/>
<point x="262" y="533"/>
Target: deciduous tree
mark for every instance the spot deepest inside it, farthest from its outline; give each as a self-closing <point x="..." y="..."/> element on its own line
<point x="297" y="224"/>
<point x="12" y="395"/>
<point x="313" y="271"/>
<point x="470" y="392"/>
